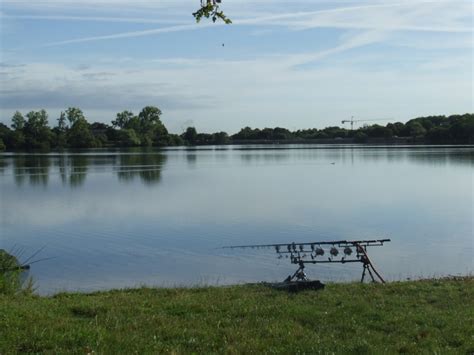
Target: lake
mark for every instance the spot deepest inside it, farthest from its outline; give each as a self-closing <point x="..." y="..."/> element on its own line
<point x="131" y="217"/>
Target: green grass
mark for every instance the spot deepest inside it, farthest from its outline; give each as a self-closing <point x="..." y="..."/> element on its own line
<point x="430" y="316"/>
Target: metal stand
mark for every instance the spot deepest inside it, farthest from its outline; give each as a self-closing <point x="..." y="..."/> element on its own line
<point x="299" y="274"/>
<point x="367" y="264"/>
<point x="367" y="268"/>
<point x="312" y="253"/>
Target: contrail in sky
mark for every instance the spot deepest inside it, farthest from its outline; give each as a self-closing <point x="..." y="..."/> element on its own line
<point x="270" y="19"/>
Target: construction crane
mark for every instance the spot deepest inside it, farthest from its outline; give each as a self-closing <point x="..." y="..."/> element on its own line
<point x="352" y="121"/>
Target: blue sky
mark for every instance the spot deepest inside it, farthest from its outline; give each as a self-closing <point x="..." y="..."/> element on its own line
<point x="296" y="64"/>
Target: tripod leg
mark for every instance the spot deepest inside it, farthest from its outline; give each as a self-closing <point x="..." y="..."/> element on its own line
<point x="291" y="277"/>
<point x="299" y="274"/>
<point x="363" y="274"/>
<point x="370" y="273"/>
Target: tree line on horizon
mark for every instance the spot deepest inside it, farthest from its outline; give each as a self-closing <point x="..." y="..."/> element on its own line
<point x="72" y="130"/>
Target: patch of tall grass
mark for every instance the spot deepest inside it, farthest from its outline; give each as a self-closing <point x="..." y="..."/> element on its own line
<point x="13" y="279"/>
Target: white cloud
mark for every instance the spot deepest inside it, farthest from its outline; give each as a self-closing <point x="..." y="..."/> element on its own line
<point x="266" y="91"/>
<point x="438" y="16"/>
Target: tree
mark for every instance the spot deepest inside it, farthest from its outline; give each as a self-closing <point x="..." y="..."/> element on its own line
<point x="18" y="121"/>
<point x="438" y="135"/>
<point x="220" y="138"/>
<point x="462" y="128"/>
<point x="247" y="133"/>
<point x="190" y="135"/>
<point x="397" y="128"/>
<point x="122" y="119"/>
<point x="377" y="131"/>
<point x="4" y="131"/>
<point x="37" y="131"/>
<point x="62" y="122"/>
<point x="74" y="114"/>
<point x="416" y="129"/>
<point x="128" y="138"/>
<point x="151" y="129"/>
<point x="175" y="140"/>
<point x="79" y="135"/>
<point x="60" y="131"/>
<point x="210" y="9"/>
<point x="149" y="116"/>
<point x="360" y="137"/>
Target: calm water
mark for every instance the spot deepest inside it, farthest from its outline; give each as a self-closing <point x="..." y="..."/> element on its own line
<point x="122" y="218"/>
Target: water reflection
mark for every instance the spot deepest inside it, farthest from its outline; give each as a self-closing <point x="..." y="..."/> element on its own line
<point x="31" y="168"/>
<point x="114" y="219"/>
<point x="3" y="165"/>
<point x="72" y="169"/>
<point x="435" y="156"/>
<point x="262" y="156"/>
<point x="147" y="167"/>
<point x="191" y="157"/>
<point x="443" y="157"/>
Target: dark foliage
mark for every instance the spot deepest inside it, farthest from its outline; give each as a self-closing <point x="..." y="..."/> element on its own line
<point x="146" y="129"/>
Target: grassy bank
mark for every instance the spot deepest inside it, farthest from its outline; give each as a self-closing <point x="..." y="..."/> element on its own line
<point x="434" y="316"/>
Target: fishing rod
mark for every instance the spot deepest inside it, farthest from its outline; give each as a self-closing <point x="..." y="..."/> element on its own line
<point x="11" y="261"/>
<point x="351" y="251"/>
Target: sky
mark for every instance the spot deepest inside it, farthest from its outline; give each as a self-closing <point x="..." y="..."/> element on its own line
<point x="295" y="64"/>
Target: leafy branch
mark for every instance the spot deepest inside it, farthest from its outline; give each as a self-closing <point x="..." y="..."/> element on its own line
<point x="210" y="9"/>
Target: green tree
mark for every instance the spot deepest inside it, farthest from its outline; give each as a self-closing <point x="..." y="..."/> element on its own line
<point x="123" y="119"/>
<point x="128" y="138"/>
<point x="38" y="135"/>
<point x="247" y="133"/>
<point x="60" y="131"/>
<point x="397" y="128"/>
<point x="62" y="122"/>
<point x="360" y="137"/>
<point x="377" y="131"/>
<point x="462" y="128"/>
<point x="80" y="135"/>
<point x="74" y="114"/>
<point x="175" y="140"/>
<point x="416" y="129"/>
<point x="2" y="145"/>
<point x="18" y="121"/>
<point x="6" y="134"/>
<point x="151" y="129"/>
<point x="438" y="135"/>
<point x="220" y="138"/>
<point x="210" y="9"/>
<point x="190" y="136"/>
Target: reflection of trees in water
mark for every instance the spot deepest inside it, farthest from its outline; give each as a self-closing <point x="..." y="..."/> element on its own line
<point x="35" y="168"/>
<point x="3" y="164"/>
<point x="191" y="157"/>
<point x="440" y="156"/>
<point x="73" y="169"/>
<point x="146" y="166"/>
<point x="266" y="155"/>
<point x="418" y="154"/>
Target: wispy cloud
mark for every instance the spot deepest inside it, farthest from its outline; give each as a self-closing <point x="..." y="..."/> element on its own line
<point x="131" y="34"/>
<point x="405" y="16"/>
<point x="141" y="20"/>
